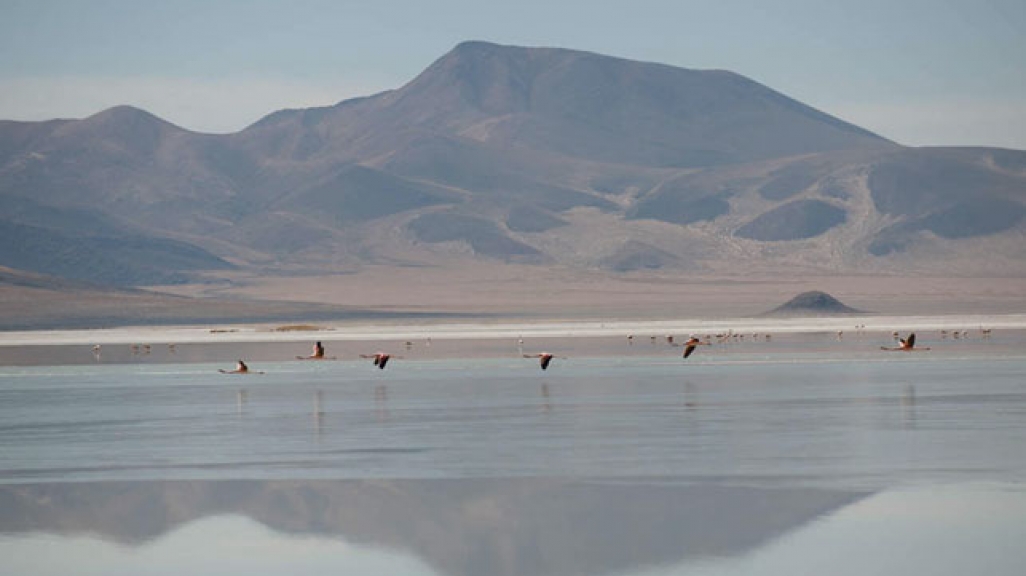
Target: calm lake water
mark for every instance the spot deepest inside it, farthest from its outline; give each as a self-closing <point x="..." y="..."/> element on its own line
<point x="740" y="464"/>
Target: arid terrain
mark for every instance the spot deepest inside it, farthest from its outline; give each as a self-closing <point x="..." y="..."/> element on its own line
<point x="494" y="292"/>
<point x="502" y="181"/>
<point x="526" y="291"/>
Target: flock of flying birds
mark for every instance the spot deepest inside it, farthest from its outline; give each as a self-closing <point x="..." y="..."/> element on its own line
<point x="381" y="359"/>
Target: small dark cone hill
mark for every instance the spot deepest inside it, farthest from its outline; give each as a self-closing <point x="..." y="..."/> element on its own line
<point x="813" y="303"/>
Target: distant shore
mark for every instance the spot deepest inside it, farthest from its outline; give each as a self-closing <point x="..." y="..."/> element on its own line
<point x="439" y="340"/>
<point x="384" y="331"/>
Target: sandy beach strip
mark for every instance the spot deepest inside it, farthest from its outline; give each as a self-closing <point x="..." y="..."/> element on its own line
<point x="332" y="332"/>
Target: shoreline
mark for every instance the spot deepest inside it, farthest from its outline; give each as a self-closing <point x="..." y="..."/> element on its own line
<point x="386" y="331"/>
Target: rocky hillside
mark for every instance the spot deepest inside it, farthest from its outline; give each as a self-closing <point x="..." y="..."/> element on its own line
<point x="535" y="155"/>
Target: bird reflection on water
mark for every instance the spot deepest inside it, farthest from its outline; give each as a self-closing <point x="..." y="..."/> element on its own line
<point x="908" y="405"/>
<point x="381" y="402"/>
<point x="318" y="413"/>
<point x="241" y="399"/>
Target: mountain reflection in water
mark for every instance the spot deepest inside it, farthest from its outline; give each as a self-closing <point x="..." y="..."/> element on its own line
<point x="457" y="527"/>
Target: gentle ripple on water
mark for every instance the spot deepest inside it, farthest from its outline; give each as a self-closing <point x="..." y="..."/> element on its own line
<point x="835" y="422"/>
<point x="778" y="465"/>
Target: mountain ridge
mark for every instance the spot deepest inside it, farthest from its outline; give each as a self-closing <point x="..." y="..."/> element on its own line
<point x="550" y="156"/>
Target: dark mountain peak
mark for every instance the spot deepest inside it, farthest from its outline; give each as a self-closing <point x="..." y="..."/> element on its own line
<point x="124" y="112"/>
<point x="546" y="56"/>
<point x="569" y="103"/>
<point x="126" y="115"/>
<point x="813" y="303"/>
<point x="502" y="79"/>
<point x="483" y="65"/>
<point x="610" y="109"/>
<point x="479" y="48"/>
<point x="476" y="76"/>
<point x="125" y="127"/>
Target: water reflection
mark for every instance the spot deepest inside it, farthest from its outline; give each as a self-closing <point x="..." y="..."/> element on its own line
<point x="457" y="527"/>
<point x="381" y="411"/>
<point x="974" y="528"/>
<point x="908" y="405"/>
<point x="318" y="413"/>
<point x="690" y="396"/>
<point x="241" y="399"/>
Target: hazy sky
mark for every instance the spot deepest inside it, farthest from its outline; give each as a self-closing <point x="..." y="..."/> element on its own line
<point x="917" y="71"/>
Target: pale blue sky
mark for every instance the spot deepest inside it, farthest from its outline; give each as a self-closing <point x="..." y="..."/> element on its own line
<point x="917" y="71"/>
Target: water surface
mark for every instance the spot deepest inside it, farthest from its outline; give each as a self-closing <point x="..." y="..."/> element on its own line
<point x="747" y="463"/>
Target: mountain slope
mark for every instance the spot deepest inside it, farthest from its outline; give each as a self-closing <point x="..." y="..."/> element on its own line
<point x="574" y="104"/>
<point x="536" y="155"/>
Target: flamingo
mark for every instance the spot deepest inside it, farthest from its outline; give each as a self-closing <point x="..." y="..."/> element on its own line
<point x="240" y="368"/>
<point x="317" y="354"/>
<point x="544" y="358"/>
<point x="692" y="343"/>
<point x="905" y="344"/>
<point x="380" y="358"/>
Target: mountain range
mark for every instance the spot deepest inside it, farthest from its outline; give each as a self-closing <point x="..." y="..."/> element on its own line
<point x="539" y="156"/>
<point x="460" y="527"/>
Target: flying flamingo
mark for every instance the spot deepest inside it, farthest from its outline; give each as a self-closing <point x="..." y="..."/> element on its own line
<point x="905" y="344"/>
<point x="691" y="344"/>
<point x="317" y="354"/>
<point x="544" y="358"/>
<point x="240" y="368"/>
<point x="380" y="358"/>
